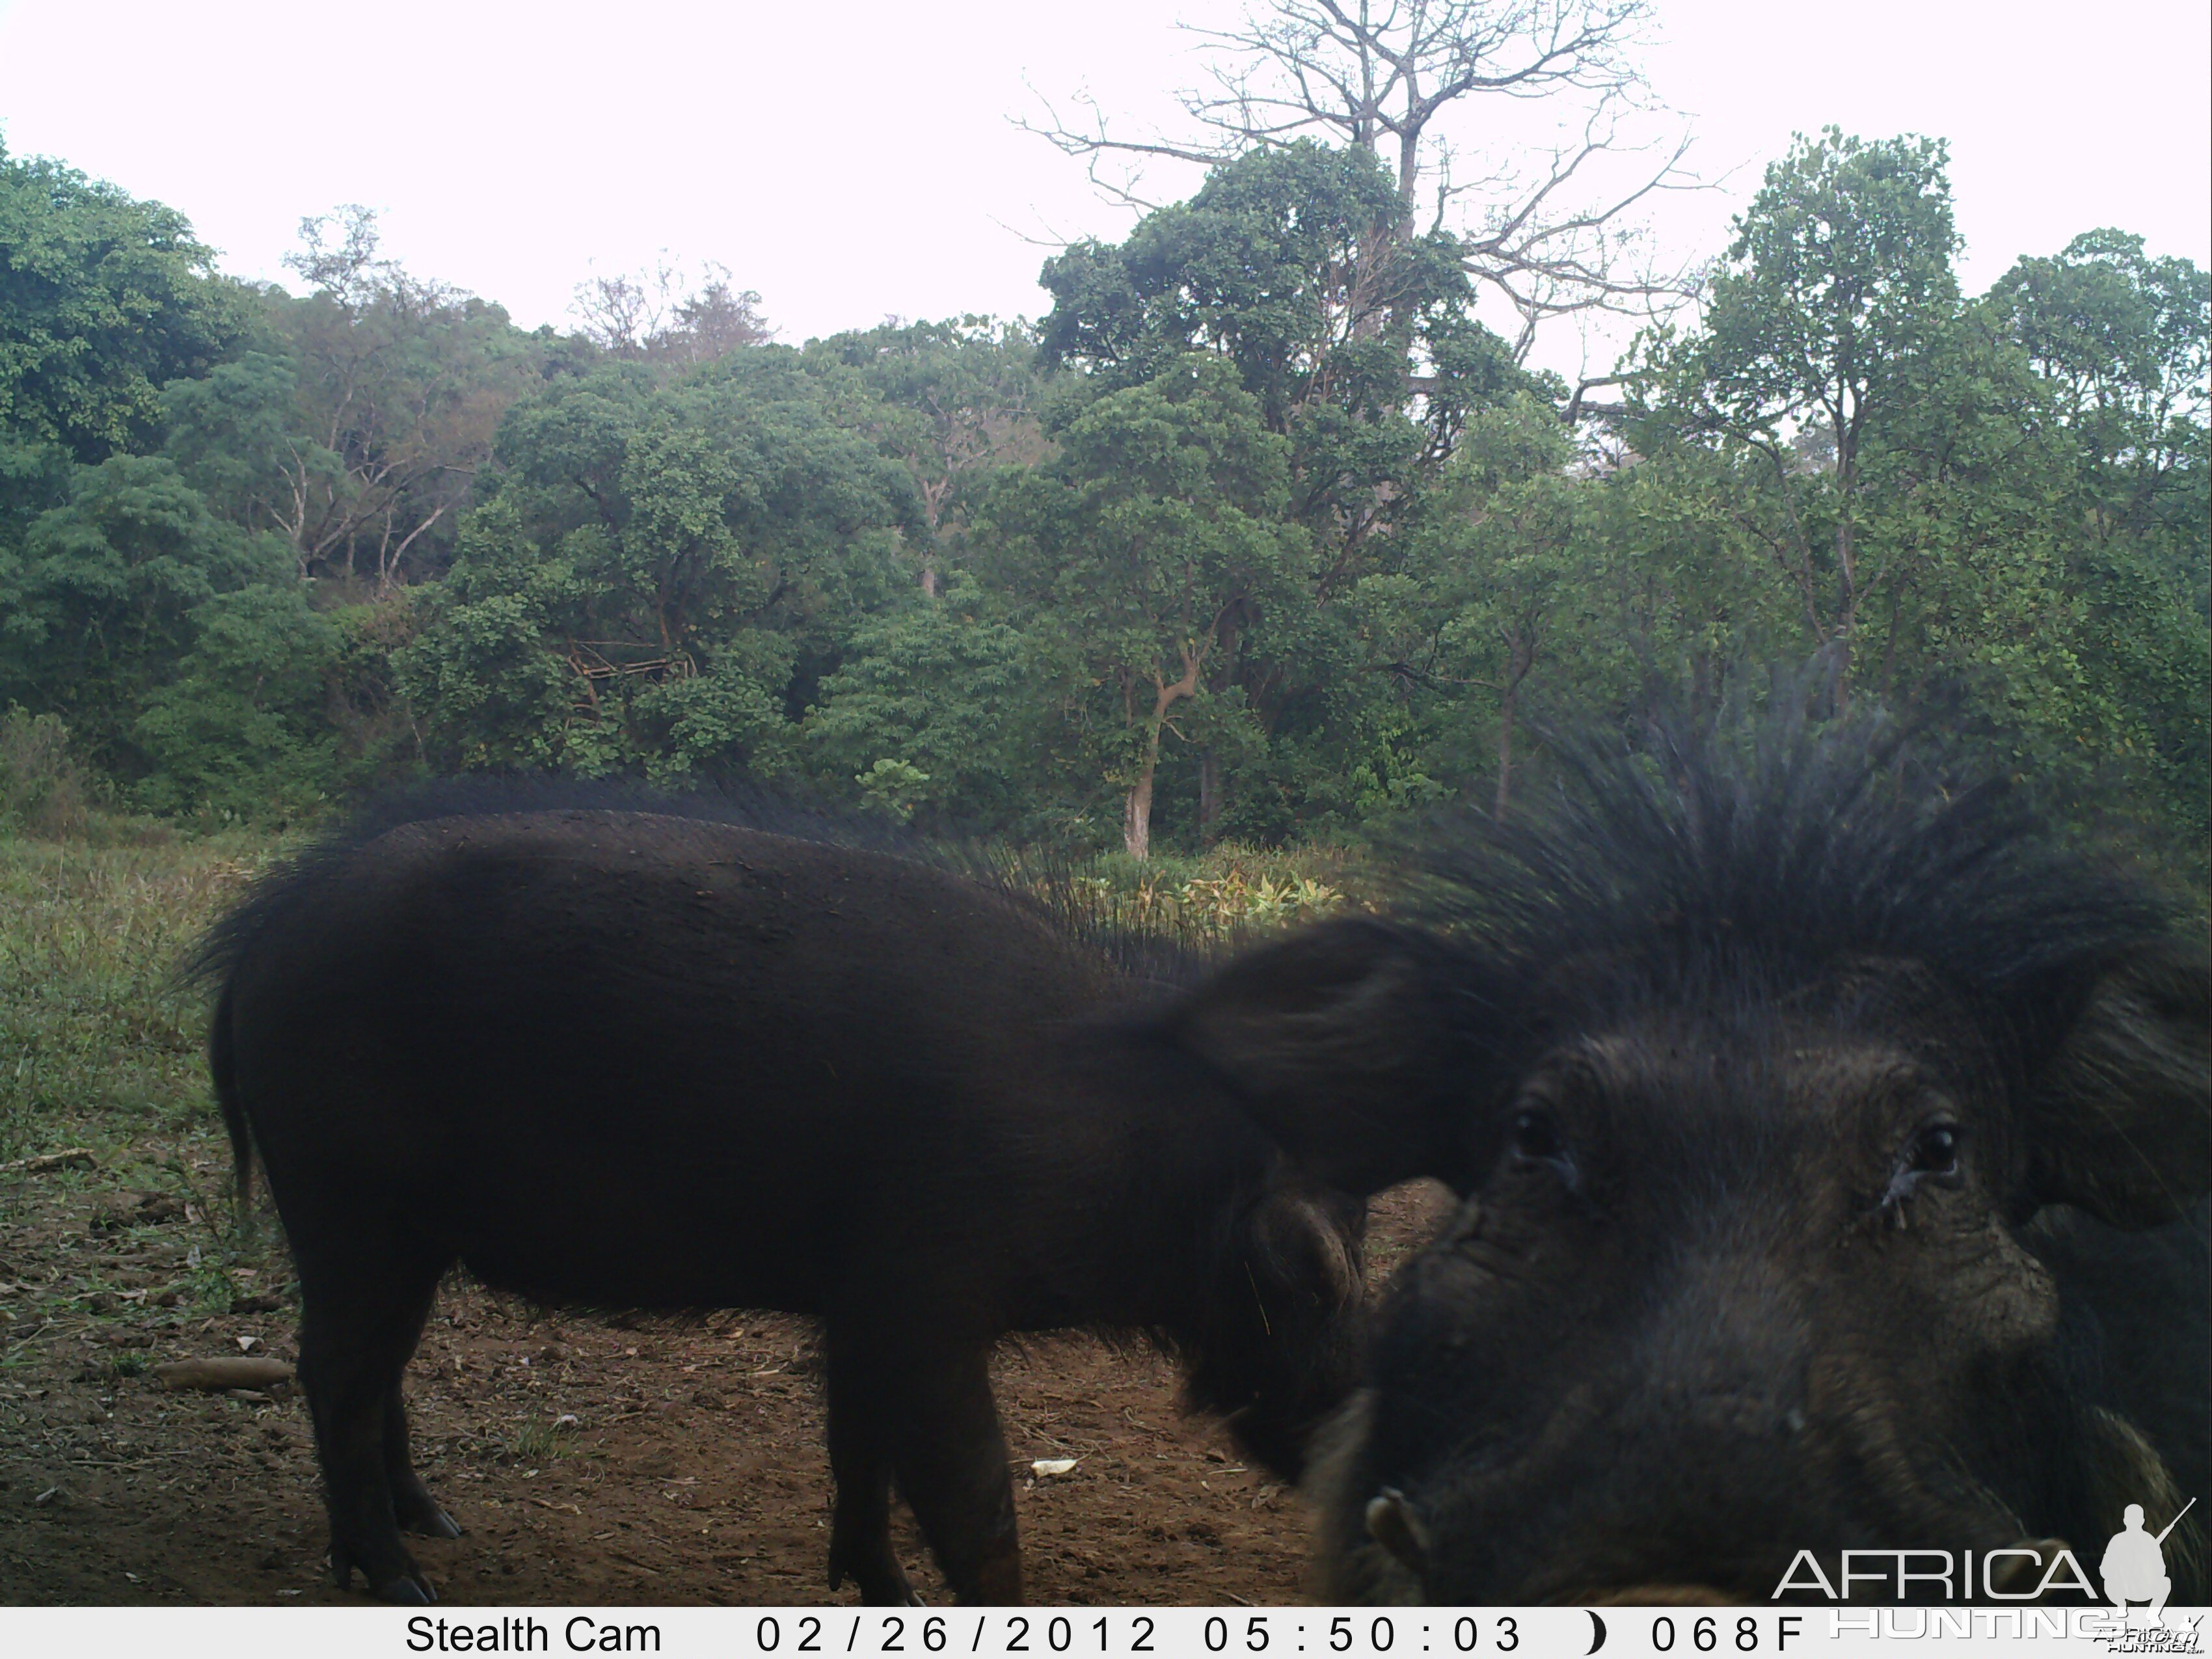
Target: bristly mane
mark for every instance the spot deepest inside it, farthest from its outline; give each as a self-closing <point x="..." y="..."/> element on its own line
<point x="1052" y="888"/>
<point x="1780" y="846"/>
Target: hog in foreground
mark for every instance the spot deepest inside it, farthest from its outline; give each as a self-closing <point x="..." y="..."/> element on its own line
<point x="1833" y="1145"/>
<point x="643" y="1060"/>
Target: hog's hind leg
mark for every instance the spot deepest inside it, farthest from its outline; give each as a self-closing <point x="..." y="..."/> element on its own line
<point x="952" y="1464"/>
<point x="412" y="1506"/>
<point x="860" y="1464"/>
<point x="361" y="1313"/>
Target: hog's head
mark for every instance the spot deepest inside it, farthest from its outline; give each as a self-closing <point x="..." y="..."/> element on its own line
<point x="1279" y="1343"/>
<point x="1764" y="1083"/>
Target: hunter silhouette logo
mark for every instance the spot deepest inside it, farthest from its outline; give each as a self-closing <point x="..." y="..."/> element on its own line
<point x="2134" y="1567"/>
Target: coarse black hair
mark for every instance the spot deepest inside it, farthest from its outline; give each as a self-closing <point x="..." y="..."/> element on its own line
<point x="1053" y="884"/>
<point x="1774" y="844"/>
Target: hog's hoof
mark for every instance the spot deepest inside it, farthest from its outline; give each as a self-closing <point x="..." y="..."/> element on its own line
<point x="435" y="1524"/>
<point x="404" y="1592"/>
<point x="882" y="1582"/>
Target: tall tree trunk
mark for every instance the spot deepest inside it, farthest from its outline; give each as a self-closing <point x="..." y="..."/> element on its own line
<point x="1844" y="640"/>
<point x="1137" y="806"/>
<point x="1212" y="786"/>
<point x="1522" y="657"/>
<point x="1210" y="800"/>
<point x="1704" y="695"/>
<point x="1504" y="754"/>
<point x="1889" y="651"/>
<point x="1409" y="180"/>
<point x="932" y="506"/>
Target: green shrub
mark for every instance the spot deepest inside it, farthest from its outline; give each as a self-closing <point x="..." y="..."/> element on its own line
<point x="44" y="790"/>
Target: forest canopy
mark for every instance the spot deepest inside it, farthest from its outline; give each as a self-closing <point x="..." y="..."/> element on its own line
<point x="1259" y="533"/>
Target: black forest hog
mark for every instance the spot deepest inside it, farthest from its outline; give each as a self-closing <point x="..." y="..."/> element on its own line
<point x="646" y="1059"/>
<point x="1832" y="1144"/>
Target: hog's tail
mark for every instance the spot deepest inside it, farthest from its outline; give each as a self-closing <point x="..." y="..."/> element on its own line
<point x="223" y="1068"/>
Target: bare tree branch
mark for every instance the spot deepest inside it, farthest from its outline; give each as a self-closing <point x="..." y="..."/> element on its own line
<point x="1389" y="76"/>
<point x="401" y="403"/>
<point x="1095" y="148"/>
<point x="665" y="313"/>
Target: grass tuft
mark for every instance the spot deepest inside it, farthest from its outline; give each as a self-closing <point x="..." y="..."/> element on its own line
<point x="100" y="1043"/>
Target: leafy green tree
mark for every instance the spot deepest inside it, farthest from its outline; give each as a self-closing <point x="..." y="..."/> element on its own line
<point x="665" y="573"/>
<point x="940" y="707"/>
<point x="1994" y="507"/>
<point x="96" y="604"/>
<point x="487" y="676"/>
<point x="1839" y="274"/>
<point x="234" y="434"/>
<point x="103" y="299"/>
<point x="1158" y="526"/>
<point x="958" y="400"/>
<point x="2120" y="341"/>
<point x="1360" y="347"/>
<point x="1481" y="601"/>
<point x="240" y="728"/>
<point x="396" y="390"/>
<point x="2123" y="340"/>
<point x="34" y="476"/>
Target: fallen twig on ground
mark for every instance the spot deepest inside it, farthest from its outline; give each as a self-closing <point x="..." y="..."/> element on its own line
<point x="223" y="1373"/>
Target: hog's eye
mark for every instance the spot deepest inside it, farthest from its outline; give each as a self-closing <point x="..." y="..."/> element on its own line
<point x="1535" y="1145"/>
<point x="1935" y="1150"/>
<point x="1536" y="1138"/>
<point x="1930" y="1158"/>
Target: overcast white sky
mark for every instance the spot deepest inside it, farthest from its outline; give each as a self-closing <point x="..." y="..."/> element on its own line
<point x="854" y="161"/>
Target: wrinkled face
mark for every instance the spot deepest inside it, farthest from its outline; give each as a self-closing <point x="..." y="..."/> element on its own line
<point x="1732" y="1283"/>
<point x="1285" y="1320"/>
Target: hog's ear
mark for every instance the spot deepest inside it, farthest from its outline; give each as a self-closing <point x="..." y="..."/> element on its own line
<point x="1335" y="1040"/>
<point x="2122" y="1113"/>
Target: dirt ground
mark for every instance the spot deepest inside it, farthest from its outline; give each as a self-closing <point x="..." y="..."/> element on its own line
<point x="590" y="1459"/>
